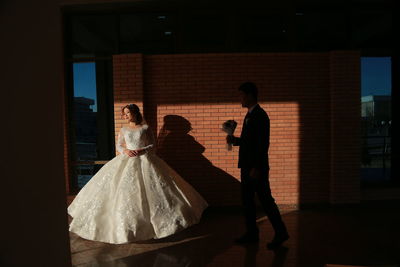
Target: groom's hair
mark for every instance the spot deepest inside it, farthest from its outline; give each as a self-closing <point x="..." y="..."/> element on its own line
<point x="249" y="88"/>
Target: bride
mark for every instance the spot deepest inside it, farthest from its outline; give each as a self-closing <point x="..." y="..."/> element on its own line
<point x="136" y="195"/>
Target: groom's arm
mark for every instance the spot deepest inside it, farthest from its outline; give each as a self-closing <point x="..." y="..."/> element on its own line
<point x="236" y="141"/>
<point x="230" y="139"/>
<point x="262" y="143"/>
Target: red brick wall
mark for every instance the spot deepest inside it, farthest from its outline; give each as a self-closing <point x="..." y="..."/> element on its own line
<point x="128" y="84"/>
<point x="185" y="98"/>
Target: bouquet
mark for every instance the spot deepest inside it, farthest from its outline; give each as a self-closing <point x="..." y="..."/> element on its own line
<point x="229" y="127"/>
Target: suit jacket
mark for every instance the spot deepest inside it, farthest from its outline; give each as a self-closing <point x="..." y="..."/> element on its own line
<point x="254" y="140"/>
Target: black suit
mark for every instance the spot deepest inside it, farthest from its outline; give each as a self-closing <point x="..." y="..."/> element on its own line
<point x="253" y="153"/>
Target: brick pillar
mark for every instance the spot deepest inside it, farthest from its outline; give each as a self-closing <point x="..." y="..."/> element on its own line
<point x="128" y="84"/>
<point x="345" y="126"/>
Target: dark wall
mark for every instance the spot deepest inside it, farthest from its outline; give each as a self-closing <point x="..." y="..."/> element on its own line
<point x="33" y="215"/>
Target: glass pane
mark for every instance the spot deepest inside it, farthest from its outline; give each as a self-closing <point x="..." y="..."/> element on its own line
<point x="85" y="172"/>
<point x="376" y="116"/>
<point x="84" y="119"/>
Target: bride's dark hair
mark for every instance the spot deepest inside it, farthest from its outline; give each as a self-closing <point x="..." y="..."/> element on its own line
<point x="135" y="111"/>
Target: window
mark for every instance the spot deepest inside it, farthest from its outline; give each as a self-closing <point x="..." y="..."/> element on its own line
<point x="91" y="129"/>
<point x="376" y="118"/>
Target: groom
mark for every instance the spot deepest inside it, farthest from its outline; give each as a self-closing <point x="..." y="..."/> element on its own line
<point x="253" y="162"/>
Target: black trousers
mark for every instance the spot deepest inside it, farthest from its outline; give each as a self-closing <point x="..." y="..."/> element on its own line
<point x="260" y="186"/>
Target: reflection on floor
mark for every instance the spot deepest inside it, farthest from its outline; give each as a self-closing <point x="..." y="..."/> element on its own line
<point x="362" y="235"/>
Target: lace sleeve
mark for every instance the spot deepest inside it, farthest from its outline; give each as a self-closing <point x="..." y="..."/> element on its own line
<point x="120" y="142"/>
<point x="150" y="144"/>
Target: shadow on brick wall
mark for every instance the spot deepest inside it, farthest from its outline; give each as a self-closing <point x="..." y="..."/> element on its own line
<point x="313" y="103"/>
<point x="185" y="155"/>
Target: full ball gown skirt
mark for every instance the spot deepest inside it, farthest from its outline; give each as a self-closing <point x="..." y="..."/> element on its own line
<point x="134" y="198"/>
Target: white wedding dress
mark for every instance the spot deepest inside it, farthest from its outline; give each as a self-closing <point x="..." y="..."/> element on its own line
<point x="134" y="198"/>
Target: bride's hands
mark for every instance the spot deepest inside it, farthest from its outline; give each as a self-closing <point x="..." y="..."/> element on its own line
<point x="130" y="153"/>
<point x="140" y="152"/>
<point x="134" y="153"/>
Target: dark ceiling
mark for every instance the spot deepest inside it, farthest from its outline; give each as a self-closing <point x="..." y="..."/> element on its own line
<point x="155" y="27"/>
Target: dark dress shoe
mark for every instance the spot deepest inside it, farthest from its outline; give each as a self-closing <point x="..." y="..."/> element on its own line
<point x="247" y="238"/>
<point x="277" y="241"/>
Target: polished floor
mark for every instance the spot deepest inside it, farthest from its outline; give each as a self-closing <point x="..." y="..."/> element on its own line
<point x="360" y="235"/>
